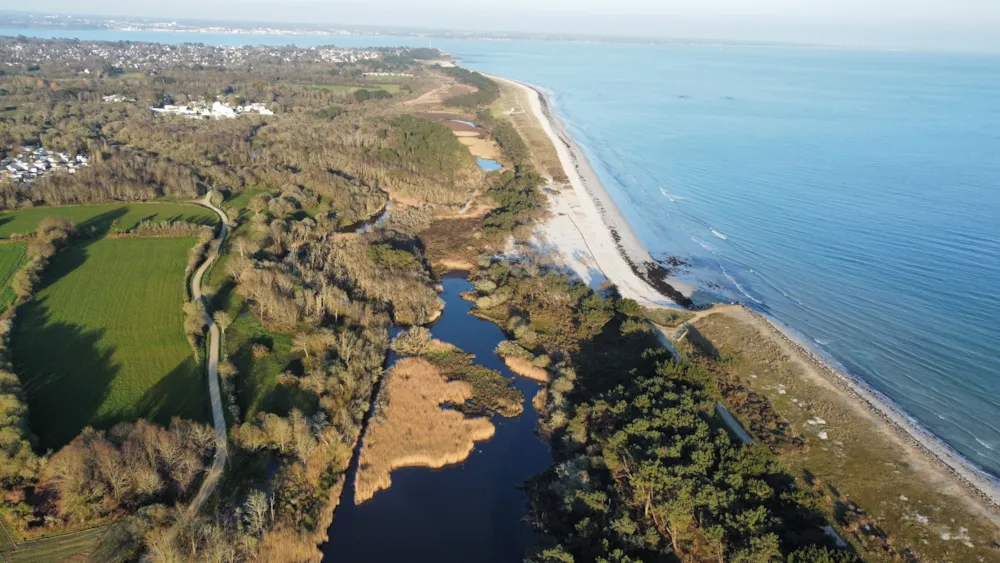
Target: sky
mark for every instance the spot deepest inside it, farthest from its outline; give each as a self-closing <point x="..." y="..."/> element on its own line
<point x="962" y="24"/>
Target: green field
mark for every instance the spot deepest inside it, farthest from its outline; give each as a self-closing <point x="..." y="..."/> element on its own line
<point x="98" y="219"/>
<point x="11" y="258"/>
<point x="102" y="341"/>
<point x="55" y="548"/>
<point x="240" y="200"/>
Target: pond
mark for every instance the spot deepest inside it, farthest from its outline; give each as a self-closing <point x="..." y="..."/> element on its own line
<point x="488" y="165"/>
<point x="472" y="511"/>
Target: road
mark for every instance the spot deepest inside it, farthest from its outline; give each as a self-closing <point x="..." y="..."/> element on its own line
<point x="214" y="344"/>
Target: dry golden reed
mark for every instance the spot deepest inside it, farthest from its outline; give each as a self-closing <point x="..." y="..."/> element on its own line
<point x="418" y="429"/>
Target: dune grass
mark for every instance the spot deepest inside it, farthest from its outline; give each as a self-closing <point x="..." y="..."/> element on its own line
<point x="102" y="341"/>
<point x="669" y="318"/>
<point x="11" y="257"/>
<point x="876" y="490"/>
<point x="98" y="219"/>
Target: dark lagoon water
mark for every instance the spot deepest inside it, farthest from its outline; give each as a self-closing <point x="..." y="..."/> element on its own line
<point x="472" y="511"/>
<point x="853" y="196"/>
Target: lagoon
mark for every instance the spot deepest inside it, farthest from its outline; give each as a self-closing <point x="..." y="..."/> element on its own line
<point x="472" y="511"/>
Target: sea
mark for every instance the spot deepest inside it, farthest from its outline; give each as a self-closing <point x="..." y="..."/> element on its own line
<point x="853" y="196"/>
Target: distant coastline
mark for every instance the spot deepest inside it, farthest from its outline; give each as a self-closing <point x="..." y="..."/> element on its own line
<point x="631" y="251"/>
<point x="55" y="22"/>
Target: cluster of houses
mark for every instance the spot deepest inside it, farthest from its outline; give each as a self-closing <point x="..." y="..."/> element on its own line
<point x="114" y="98"/>
<point x="34" y="162"/>
<point x="218" y="110"/>
<point x="85" y="57"/>
<point x="399" y="74"/>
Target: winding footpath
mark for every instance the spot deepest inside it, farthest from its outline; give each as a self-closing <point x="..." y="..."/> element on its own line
<point x="215" y="337"/>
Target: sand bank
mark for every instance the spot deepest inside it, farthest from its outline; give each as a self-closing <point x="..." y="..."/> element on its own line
<point x="587" y="228"/>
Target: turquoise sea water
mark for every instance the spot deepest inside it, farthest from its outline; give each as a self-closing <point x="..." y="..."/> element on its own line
<point x="853" y="196"/>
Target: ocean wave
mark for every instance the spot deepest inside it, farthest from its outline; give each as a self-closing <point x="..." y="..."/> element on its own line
<point x="703" y="245"/>
<point x="718" y="234"/>
<point x="673" y="199"/>
<point x="740" y="287"/>
<point x="987" y="446"/>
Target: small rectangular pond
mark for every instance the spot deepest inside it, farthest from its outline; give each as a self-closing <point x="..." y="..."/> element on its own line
<point x="487" y="165"/>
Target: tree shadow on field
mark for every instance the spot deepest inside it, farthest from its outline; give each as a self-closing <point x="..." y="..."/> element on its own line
<point x="202" y="220"/>
<point x="66" y="375"/>
<point x="75" y="253"/>
<point x="99" y="225"/>
<point x="182" y="393"/>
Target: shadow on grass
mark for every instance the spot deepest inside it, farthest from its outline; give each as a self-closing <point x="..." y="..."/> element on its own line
<point x="202" y="220"/>
<point x="99" y="225"/>
<point x="65" y="374"/>
<point x="183" y="393"/>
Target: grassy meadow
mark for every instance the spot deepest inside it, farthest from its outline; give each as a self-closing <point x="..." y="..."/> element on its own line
<point x="102" y="340"/>
<point x="11" y="258"/>
<point x="100" y="218"/>
<point x="76" y="546"/>
<point x="391" y="88"/>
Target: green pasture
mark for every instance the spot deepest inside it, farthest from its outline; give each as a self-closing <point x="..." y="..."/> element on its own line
<point x="102" y="341"/>
<point x="99" y="219"/>
<point x="12" y="256"/>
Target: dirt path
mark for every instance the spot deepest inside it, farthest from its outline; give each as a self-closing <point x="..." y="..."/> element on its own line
<point x="218" y="418"/>
<point x="438" y="95"/>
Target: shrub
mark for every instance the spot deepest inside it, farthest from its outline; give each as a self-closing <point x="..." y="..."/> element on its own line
<point x="542" y="361"/>
<point x="631" y="326"/>
<point x="260" y="350"/>
<point x="510" y="349"/>
<point x="412" y="342"/>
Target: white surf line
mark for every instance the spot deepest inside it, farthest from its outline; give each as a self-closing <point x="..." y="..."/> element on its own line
<point x="601" y="212"/>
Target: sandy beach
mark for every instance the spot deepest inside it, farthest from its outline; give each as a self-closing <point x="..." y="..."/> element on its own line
<point x="587" y="228"/>
<point x="592" y="237"/>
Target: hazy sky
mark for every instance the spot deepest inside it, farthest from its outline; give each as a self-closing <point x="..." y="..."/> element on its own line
<point x="971" y="24"/>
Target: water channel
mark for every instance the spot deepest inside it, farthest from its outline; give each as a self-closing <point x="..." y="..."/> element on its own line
<point x="472" y="511"/>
